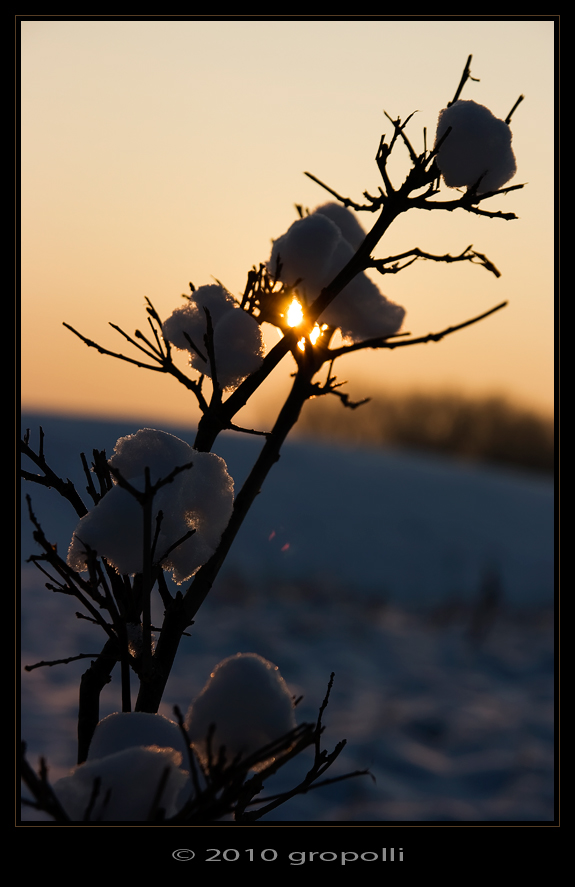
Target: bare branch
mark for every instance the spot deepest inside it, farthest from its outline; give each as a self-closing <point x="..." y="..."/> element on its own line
<point x="383" y="153"/>
<point x="513" y="109"/>
<point x="65" y="488"/>
<point x="468" y="255"/>
<point x="431" y="337"/>
<point x="41" y="789"/>
<point x="464" y="78"/>
<point x="155" y="349"/>
<point x="153" y="489"/>
<point x="231" y="427"/>
<point x="102" y="350"/>
<point x="322" y="761"/>
<point x="399" y="131"/>
<point x="322" y="708"/>
<point x="347" y="201"/>
<point x="62" y="661"/>
<point x="186" y="536"/>
<point x="467" y="202"/>
<point x="153" y="354"/>
<point x="166" y="364"/>
<point x="193" y="346"/>
<point x="209" y="343"/>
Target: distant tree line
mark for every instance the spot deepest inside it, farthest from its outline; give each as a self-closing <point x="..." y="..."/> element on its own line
<point x="489" y="429"/>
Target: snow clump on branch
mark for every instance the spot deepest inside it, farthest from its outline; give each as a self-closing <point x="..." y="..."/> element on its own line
<point x="478" y="147"/>
<point x="315" y="249"/>
<point x="129" y="754"/>
<point x="199" y="498"/>
<point x="248" y="701"/>
<point x="237" y="339"/>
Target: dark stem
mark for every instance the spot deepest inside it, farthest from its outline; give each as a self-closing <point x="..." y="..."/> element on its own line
<point x="182" y="611"/>
<point x="91" y="685"/>
<point x="464" y="78"/>
<point x="513" y="109"/>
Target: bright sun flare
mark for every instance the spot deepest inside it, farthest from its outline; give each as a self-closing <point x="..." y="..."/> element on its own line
<point x="294" y="313"/>
<point x="294" y="317"/>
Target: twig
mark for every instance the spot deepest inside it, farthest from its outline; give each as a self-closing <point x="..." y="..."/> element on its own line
<point x="347" y="201"/>
<point x="176" y="544"/>
<point x="464" y="78"/>
<point x="41" y="788"/>
<point x="304" y="788"/>
<point x="431" y="337"/>
<point x="101" y="350"/>
<point x="66" y="489"/>
<point x="155" y="809"/>
<point x="209" y="343"/>
<point x="468" y="255"/>
<point x="96" y="786"/>
<point x="322" y="761"/>
<point x="194" y="347"/>
<point x="62" y="661"/>
<point x="322" y="708"/>
<point x="399" y="131"/>
<point x="510" y="115"/>
<point x="188" y="744"/>
<point x="467" y="202"/>
<point x="166" y="364"/>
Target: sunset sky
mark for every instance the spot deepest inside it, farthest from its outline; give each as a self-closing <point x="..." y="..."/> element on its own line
<point x="154" y="153"/>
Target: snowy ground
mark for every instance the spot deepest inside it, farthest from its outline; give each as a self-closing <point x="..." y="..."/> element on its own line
<point x="426" y="586"/>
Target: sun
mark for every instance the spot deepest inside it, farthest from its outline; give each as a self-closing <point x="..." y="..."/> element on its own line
<point x="294" y="313"/>
<point x="295" y="317"/>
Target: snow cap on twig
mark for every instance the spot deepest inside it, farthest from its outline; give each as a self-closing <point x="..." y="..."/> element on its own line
<point x="477" y="150"/>
<point x="249" y="703"/>
<point x="199" y="499"/>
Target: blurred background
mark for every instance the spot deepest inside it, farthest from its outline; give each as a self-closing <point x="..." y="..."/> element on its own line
<point x="414" y="555"/>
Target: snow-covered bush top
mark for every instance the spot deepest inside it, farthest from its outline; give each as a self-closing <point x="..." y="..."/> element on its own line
<point x="479" y="145"/>
<point x="315" y="248"/>
<point x="199" y="498"/>
<point x="248" y="701"/>
<point x="238" y="342"/>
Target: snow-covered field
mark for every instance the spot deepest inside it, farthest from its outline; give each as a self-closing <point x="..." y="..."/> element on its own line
<point x="426" y="586"/>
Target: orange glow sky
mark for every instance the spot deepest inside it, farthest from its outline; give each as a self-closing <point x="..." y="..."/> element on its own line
<point x="159" y="152"/>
